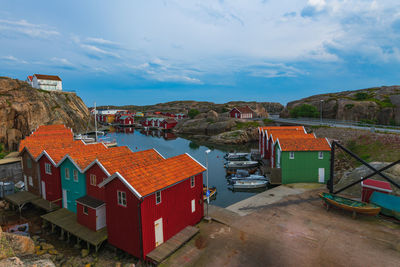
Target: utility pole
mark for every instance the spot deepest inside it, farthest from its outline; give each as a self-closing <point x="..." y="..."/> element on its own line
<point x="95" y="121"/>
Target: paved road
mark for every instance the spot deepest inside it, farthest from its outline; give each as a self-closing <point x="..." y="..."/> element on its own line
<point x="335" y="124"/>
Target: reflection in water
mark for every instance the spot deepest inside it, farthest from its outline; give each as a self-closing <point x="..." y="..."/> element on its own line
<point x="169" y="145"/>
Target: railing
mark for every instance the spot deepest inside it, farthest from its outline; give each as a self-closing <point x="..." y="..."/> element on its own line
<point x="333" y="122"/>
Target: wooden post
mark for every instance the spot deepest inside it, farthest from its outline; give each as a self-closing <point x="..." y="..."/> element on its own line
<point x="62" y="234"/>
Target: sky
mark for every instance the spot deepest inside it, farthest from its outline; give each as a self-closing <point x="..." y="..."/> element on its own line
<point x="146" y="52"/>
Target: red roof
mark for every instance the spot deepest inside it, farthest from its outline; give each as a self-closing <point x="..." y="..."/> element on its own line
<point x="377" y="185"/>
<point x="47" y="77"/>
<point x="304" y="144"/>
<point x="244" y="109"/>
<point x="30" y="78"/>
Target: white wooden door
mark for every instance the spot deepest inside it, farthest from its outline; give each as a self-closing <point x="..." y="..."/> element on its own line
<point x="321" y="175"/>
<point x="25" y="183"/>
<point x="158" y="229"/>
<point x="65" y="203"/>
<point x="101" y="217"/>
<point x="43" y="190"/>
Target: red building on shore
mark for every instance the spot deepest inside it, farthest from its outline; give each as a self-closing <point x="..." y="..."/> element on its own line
<point x="147" y="206"/>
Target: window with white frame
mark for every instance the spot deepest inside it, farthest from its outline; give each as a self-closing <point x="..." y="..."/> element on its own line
<point x="75" y="175"/>
<point x="85" y="210"/>
<point x="158" y="197"/>
<point x="121" y="196"/>
<point x="47" y="168"/>
<point x="320" y="155"/>
<point x="193" y="205"/>
<point x="93" y="179"/>
<point x="30" y="181"/>
<point x="291" y="155"/>
<point x="67" y="173"/>
<point x="192" y="182"/>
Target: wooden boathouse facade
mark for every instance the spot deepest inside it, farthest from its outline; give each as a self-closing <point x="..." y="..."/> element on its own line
<point x="138" y="200"/>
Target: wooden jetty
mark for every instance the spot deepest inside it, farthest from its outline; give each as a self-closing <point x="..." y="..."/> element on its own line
<point x="67" y="222"/>
<point x="164" y="250"/>
<point x="20" y="199"/>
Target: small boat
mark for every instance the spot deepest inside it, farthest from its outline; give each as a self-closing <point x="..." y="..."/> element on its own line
<point x="249" y="184"/>
<point x="84" y="138"/>
<point x="213" y="191"/>
<point x="390" y="204"/>
<point x="250" y="177"/>
<point x="231" y="171"/>
<point x="348" y="204"/>
<point x="241" y="164"/>
<point x="236" y="156"/>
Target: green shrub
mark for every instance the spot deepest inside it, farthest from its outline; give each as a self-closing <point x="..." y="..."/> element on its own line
<point x="349" y="106"/>
<point x="304" y="110"/>
<point x="362" y="96"/>
<point x="193" y="113"/>
<point x="245" y="125"/>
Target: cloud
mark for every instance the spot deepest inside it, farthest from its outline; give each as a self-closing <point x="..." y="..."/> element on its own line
<point x="274" y="70"/>
<point x="159" y="70"/>
<point x="62" y="63"/>
<point x="313" y="8"/>
<point x="12" y="59"/>
<point x="12" y="27"/>
<point x="97" y="48"/>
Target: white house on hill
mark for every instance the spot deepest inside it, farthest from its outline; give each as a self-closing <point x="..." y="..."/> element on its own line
<point x="45" y="82"/>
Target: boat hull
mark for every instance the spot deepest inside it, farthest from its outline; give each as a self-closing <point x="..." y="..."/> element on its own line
<point x="350" y="204"/>
<point x="241" y="184"/>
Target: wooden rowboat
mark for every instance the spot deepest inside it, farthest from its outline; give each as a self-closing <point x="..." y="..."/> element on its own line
<point x="349" y="204"/>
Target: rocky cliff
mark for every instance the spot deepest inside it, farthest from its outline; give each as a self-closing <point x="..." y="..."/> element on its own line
<point x="23" y="108"/>
<point x="375" y="105"/>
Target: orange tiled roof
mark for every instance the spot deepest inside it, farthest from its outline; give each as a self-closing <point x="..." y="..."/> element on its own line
<point x="297" y="127"/>
<point x="57" y="153"/>
<point x="117" y="163"/>
<point x="83" y="156"/>
<point x="304" y="144"/>
<point x="151" y="178"/>
<point x="290" y="134"/>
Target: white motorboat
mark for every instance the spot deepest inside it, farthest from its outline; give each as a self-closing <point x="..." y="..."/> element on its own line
<point x="248" y="184"/>
<point x="236" y="156"/>
<point x="241" y="164"/>
<point x="84" y="138"/>
<point x="249" y="177"/>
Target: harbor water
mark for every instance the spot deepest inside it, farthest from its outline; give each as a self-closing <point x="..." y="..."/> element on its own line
<point x="170" y="145"/>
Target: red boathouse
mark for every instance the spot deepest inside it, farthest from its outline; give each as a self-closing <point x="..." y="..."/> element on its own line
<point x="147" y="206"/>
<point x="241" y="113"/>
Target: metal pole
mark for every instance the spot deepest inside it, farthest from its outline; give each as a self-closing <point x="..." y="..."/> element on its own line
<point x="332" y="173"/>
<point x="208" y="197"/>
<point x="95" y="120"/>
<point x="321" y="112"/>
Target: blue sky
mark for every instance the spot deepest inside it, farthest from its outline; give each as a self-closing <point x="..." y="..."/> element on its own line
<point x="146" y="52"/>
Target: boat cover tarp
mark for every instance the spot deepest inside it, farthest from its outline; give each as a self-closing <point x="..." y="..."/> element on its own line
<point x="386" y="201"/>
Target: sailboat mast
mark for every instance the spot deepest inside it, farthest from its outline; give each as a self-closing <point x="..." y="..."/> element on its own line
<point x="95" y="120"/>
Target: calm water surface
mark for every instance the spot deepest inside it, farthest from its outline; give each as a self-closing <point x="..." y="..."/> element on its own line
<point x="138" y="141"/>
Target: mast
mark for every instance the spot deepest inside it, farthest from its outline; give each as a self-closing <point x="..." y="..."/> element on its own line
<point x="95" y="120"/>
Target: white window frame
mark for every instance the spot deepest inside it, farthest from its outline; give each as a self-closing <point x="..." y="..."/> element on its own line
<point x="193" y="202"/>
<point x="320" y="155"/>
<point x="67" y="174"/>
<point x="121" y="198"/>
<point x="93" y="180"/>
<point x="47" y="168"/>
<point x="158" y="195"/>
<point x="75" y="176"/>
<point x="192" y="182"/>
<point x="291" y="155"/>
<point x="30" y="180"/>
<point x="85" y="208"/>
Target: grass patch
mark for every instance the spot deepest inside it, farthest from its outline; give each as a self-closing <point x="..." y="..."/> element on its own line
<point x="43" y="91"/>
<point x="2" y="152"/>
<point x="267" y="121"/>
<point x="244" y="125"/>
<point x="349" y="106"/>
<point x="8" y="103"/>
